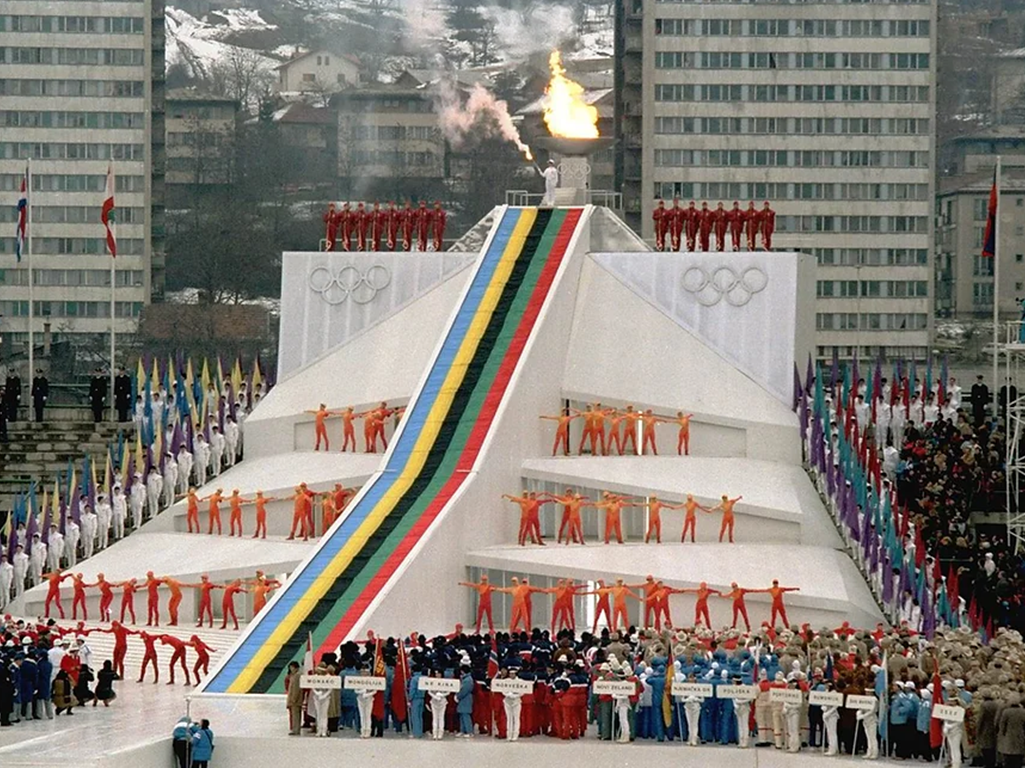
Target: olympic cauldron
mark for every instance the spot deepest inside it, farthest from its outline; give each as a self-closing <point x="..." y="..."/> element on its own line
<point x="573" y="159"/>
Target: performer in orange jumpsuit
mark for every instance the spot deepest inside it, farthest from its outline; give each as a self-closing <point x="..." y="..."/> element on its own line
<point x="650" y="587"/>
<point x="348" y="430"/>
<point x="178" y="657"/>
<point x="735" y="219"/>
<point x="345" y="223"/>
<point x="149" y="655"/>
<point x="689" y="518"/>
<point x="78" y="586"/>
<point x="719" y="224"/>
<point x="767" y="222"/>
<point x="530" y="520"/>
<point x="483" y="589"/>
<point x="408" y="223"/>
<point x="53" y="594"/>
<point x="726" y="507"/>
<point x="214" y="510"/>
<point x="202" y="657"/>
<point x="616" y="418"/>
<point x="563" y="613"/>
<point x="598" y="433"/>
<point x="228" y="602"/>
<point x="676" y="219"/>
<point x="341" y="497"/>
<point x="588" y="432"/>
<point x="152" y="600"/>
<point x="701" y="606"/>
<point x="706" y="219"/>
<point x="423" y="226"/>
<point x="106" y="596"/>
<point x="175" y="588"/>
<point x="331" y="224"/>
<point x="192" y="509"/>
<point x="619" y="594"/>
<point x="128" y="598"/>
<point x="736" y="594"/>
<point x="327" y="510"/>
<point x="120" y="633"/>
<point x="438" y="225"/>
<point x="661" y="218"/>
<point x="630" y="417"/>
<point x="320" y="417"/>
<point x="235" y="517"/>
<point x="360" y="225"/>
<point x="613" y="505"/>
<point x="206" y="587"/>
<point x="662" y="605"/>
<point x="778" y="609"/>
<point x="521" y="592"/>
<point x="301" y="511"/>
<point x="571" y="524"/>
<point x="562" y="431"/>
<point x="378" y="225"/>
<point x="751" y="222"/>
<point x="394" y="223"/>
<point x="691" y="224"/>
<point x="261" y="514"/>
<point x="655" y="508"/>
<point x="262" y="587"/>
<point x="648" y="433"/>
<point x="683" y="438"/>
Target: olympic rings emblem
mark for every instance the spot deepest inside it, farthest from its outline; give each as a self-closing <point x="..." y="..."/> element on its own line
<point x="574" y="172"/>
<point x="362" y="287"/>
<point x="724" y="283"/>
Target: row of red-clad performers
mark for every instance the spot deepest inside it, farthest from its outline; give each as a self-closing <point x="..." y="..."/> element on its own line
<point x="375" y="228"/>
<point x="695" y="227"/>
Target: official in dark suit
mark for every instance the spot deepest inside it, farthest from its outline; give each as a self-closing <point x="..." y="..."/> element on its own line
<point x="122" y="395"/>
<point x="98" y="395"/>
<point x="12" y="396"/>
<point x="40" y="393"/>
<point x="980" y="398"/>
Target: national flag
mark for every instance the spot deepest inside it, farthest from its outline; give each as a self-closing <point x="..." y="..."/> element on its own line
<point x="399" y="707"/>
<point x="45" y="537"/>
<point x="21" y="230"/>
<point x="308" y="656"/>
<point x="935" y="724"/>
<point x="379" y="671"/>
<point x="108" y="215"/>
<point x="667" y="695"/>
<point x="989" y="240"/>
<point x="493" y="660"/>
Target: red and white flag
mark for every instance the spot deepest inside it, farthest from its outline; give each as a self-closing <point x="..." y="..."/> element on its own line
<point x="108" y="215"/>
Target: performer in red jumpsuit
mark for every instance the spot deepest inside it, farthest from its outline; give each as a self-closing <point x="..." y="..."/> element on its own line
<point x="128" y="598"/>
<point x="439" y="225"/>
<point x="423" y="226"/>
<point x="178" y="657"/>
<point x="483" y="590"/>
<point x="701" y="606"/>
<point x="152" y="600"/>
<point x="120" y="633"/>
<point x="378" y="226"/>
<point x="149" y="654"/>
<point x="691" y="222"/>
<point x="778" y="609"/>
<point x="202" y="657"/>
<point x="360" y="225"/>
<point x="661" y="218"/>
<point x="408" y="223"/>
<point x="53" y="594"/>
<point x="106" y="596"/>
<point x="78" y="586"/>
<point x="215" y="500"/>
<point x="735" y="217"/>
<point x="175" y="588"/>
<point x="736" y="594"/>
<point x="676" y="217"/>
<point x="345" y="222"/>
<point x="719" y="224"/>
<point x="705" y="221"/>
<point x="205" y="603"/>
<point x="767" y="219"/>
<point x="394" y="223"/>
<point x="331" y="223"/>
<point x="751" y="221"/>
<point x="228" y="602"/>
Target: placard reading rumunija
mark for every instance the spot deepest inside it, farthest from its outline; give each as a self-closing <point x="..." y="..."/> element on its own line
<point x="825" y="698"/>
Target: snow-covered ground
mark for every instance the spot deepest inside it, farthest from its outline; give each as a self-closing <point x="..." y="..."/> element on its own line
<point x="198" y="44"/>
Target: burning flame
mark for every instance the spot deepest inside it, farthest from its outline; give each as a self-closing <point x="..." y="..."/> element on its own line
<point x="567" y="114"/>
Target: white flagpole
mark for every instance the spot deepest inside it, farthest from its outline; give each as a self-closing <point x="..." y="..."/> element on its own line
<point x="996" y="294"/>
<point x="28" y="261"/>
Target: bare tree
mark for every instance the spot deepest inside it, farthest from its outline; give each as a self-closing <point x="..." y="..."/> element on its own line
<point x="241" y="74"/>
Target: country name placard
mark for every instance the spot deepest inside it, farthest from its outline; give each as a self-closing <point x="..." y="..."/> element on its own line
<point x="855" y="701"/>
<point x="786" y="695"/>
<point x="320" y="681"/>
<point x="948" y="713"/>
<point x="615" y="687"/>
<point x="512" y="685"/>
<point x="360" y="683"/>
<point x="446" y="684"/>
<point x="736" y="692"/>
<point x="825" y="698"/>
<point x="683" y="688"/>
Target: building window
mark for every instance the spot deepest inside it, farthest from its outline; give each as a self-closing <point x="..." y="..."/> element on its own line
<point x="980" y="208"/>
<point x="309" y="77"/>
<point x="1018" y="286"/>
<point x="1019" y="257"/>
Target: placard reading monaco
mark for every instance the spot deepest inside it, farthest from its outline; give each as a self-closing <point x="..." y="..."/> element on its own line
<point x="615" y="687"/>
<point x="683" y="688"/>
<point x="825" y="698"/>
<point x="360" y="683"/>
<point x="512" y="685"/>
<point x="446" y="684"/>
<point x="320" y="681"/>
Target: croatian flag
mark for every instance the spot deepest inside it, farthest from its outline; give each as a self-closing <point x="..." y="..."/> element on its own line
<point x="22" y="230"/>
<point x="989" y="244"/>
<point x="107" y="215"/>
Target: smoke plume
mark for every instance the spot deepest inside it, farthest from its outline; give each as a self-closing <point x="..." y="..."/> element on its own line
<point x="481" y="116"/>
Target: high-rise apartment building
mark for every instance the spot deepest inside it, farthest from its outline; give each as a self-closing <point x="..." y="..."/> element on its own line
<point x="826" y="109"/>
<point x="81" y="86"/>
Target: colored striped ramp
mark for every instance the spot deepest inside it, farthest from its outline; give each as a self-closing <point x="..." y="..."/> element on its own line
<point x="442" y="432"/>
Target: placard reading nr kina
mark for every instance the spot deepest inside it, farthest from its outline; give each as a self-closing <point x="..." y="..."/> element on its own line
<point x="825" y="698"/>
<point x="320" y="681"/>
<point x="359" y="683"/>
<point x="855" y="701"/>
<point x="952" y="714"/>
<point x="615" y="687"/>
<point x="512" y="685"/>
<point x="786" y="695"/>
<point x="683" y="688"/>
<point x="447" y="684"/>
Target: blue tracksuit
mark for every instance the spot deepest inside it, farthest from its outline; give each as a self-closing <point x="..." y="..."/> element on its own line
<point x="349" y="711"/>
<point x="464" y="703"/>
<point x="416" y="705"/>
